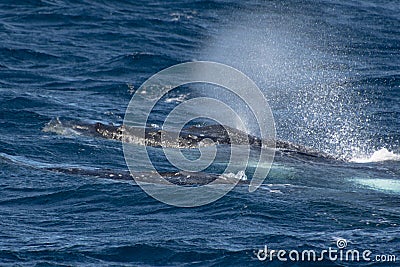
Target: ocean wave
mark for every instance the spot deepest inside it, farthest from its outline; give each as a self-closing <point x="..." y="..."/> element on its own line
<point x="165" y="254"/>
<point x="387" y="185"/>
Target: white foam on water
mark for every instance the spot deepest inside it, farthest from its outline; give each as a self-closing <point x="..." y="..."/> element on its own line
<point x="378" y="156"/>
<point x="56" y="126"/>
<point x="178" y="99"/>
<point x="240" y="175"/>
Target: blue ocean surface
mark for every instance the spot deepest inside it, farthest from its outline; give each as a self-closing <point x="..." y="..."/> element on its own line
<point x="330" y="71"/>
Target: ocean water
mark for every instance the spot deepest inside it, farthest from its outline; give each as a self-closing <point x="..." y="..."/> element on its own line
<point x="329" y="69"/>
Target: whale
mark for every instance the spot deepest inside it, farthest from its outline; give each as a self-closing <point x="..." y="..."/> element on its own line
<point x="189" y="137"/>
<point x="183" y="178"/>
